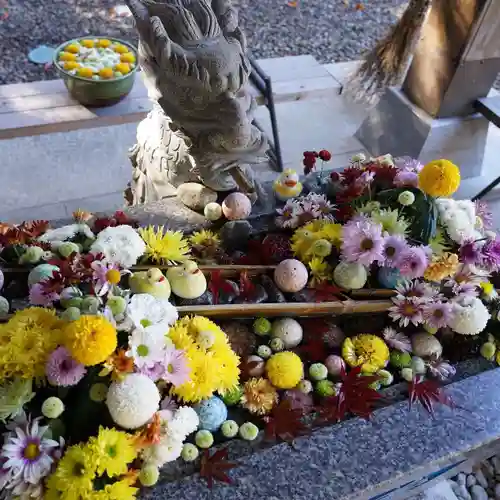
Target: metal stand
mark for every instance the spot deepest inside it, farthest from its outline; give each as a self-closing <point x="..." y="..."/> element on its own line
<point x="262" y="83"/>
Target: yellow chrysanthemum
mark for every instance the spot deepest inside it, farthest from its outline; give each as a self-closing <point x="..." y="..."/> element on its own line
<point x="303" y="239"/>
<point x="73" y="48"/>
<point x="259" y="396"/>
<point x="75" y="473"/>
<point x="320" y="270"/>
<point x="85" y="72"/>
<point x="114" y="450"/>
<point x="128" y="57"/>
<point x="121" y="49"/>
<point x="106" y="73"/>
<point x="119" y="490"/>
<point x="284" y="370"/>
<point x="88" y="43"/>
<point x="104" y="42"/>
<point x="26" y="341"/>
<point x="366" y="350"/>
<point x="67" y="56"/>
<point x="439" y="178"/>
<point x="164" y="247"/>
<point x="204" y="238"/>
<point x="442" y="266"/>
<point x="213" y="364"/>
<point x="90" y="339"/>
<point x="123" y="68"/>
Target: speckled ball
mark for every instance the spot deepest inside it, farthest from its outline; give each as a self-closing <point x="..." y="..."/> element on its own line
<point x="389" y="277"/>
<point x="334" y="364"/>
<point x="4" y="306"/>
<point x="350" y="275"/>
<point x="41" y="272"/>
<point x="236" y="206"/>
<point x="289" y="331"/>
<point x="212" y="413"/>
<point x="212" y="211"/>
<point x="291" y="275"/>
<point x="258" y="366"/>
<point x="264" y="351"/>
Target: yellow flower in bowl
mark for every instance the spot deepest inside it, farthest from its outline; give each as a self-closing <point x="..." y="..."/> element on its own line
<point x="67" y="56"/>
<point x="123" y="68"/>
<point x="121" y="49"/>
<point x="88" y="43"/>
<point x="106" y="73"/>
<point x="128" y="57"/>
<point x="85" y="72"/>
<point x="70" y="65"/>
<point x="104" y="43"/>
<point x="72" y="47"/>
<point x="365" y="350"/>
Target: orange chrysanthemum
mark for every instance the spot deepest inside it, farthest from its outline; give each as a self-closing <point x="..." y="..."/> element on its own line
<point x="259" y="396"/>
<point x="442" y="267"/>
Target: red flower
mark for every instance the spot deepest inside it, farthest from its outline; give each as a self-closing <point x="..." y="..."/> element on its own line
<point x="310" y="154"/>
<point x="325" y="155"/>
<point x="343" y="213"/>
<point x="351" y="174"/>
<point x="218" y="284"/>
<point x="335" y="176"/>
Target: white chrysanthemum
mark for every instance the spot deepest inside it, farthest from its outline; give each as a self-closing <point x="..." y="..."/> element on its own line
<point x="65" y="233"/>
<point x="167" y="450"/>
<point x="459" y="219"/>
<point x="469" y="317"/>
<point x="184" y="422"/>
<point x="133" y="401"/>
<point x="146" y="346"/>
<point x="120" y="245"/>
<point x="145" y="310"/>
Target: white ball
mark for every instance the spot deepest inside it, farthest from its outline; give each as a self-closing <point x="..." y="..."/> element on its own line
<point x="350" y="275"/>
<point x="291" y="275"/>
<point x="289" y="331"/>
<point x="236" y="206"/>
<point x="132" y="401"/>
<point x="212" y="211"/>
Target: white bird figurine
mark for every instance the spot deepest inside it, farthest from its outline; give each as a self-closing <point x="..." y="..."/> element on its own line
<point x="287" y="185"/>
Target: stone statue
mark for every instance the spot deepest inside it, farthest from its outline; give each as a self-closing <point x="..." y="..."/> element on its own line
<point x="192" y="53"/>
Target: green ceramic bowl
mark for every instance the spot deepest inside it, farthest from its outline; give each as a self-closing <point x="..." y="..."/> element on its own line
<point x="91" y="92"/>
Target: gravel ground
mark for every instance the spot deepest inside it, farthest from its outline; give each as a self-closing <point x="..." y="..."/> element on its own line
<point x="330" y="30"/>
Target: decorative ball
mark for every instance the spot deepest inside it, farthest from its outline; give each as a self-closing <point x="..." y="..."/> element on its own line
<point x="71" y="314"/>
<point x="240" y="337"/>
<point x="426" y="345"/>
<point x="430" y="329"/>
<point x="488" y="350"/>
<point x="190" y="452"/>
<point x="4" y="306"/>
<point x="406" y="198"/>
<point x="400" y="359"/>
<point x="32" y="255"/>
<point x="68" y="294"/>
<point x="117" y="305"/>
<point x="418" y="365"/>
<point x="264" y="351"/>
<point x="232" y="397"/>
<point x="90" y="304"/>
<point x="52" y="407"/>
<point x="284" y="370"/>
<point x="229" y="428"/>
<point x="249" y="431"/>
<point x="386" y="377"/>
<point x="334" y="336"/>
<point x="211" y="412"/>
<point x="149" y="475"/>
<point x="318" y="371"/>
<point x="133" y="400"/>
<point x="322" y="248"/>
<point x="389" y="277"/>
<point x="325" y="388"/>
<point x="298" y="400"/>
<point x="289" y="331"/>
<point x="277" y="345"/>
<point x="75" y="302"/>
<point x="291" y="275"/>
<point x="2" y="279"/>
<point x="334" y="364"/>
<point x="407" y="374"/>
<point x="305" y="386"/>
<point x="262" y="326"/>
<point x="350" y="275"/>
<point x="204" y="439"/>
<point x="67" y="248"/>
<point x="258" y="366"/>
<point x="41" y="272"/>
<point x="212" y="211"/>
<point x="236" y="206"/>
<point x="98" y="392"/>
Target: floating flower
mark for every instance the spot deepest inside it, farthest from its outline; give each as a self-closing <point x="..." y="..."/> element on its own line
<point x="470" y="252"/>
<point x="105" y="276"/>
<point x="406" y="179"/>
<point x="204" y="238"/>
<point x="184" y="421"/>
<point x="396" y="340"/>
<point x="284" y="370"/>
<point x="145" y="310"/>
<point x="62" y="370"/>
<point x="118" y="365"/>
<point x="176" y="367"/>
<point x="437" y="314"/>
<point x="470" y="317"/>
<point x="288" y="216"/>
<point x="362" y="242"/>
<point x="164" y="246"/>
<point x="40" y="296"/>
<point x="458" y="217"/>
<point x="413" y="262"/>
<point x="391" y="221"/>
<point x="466" y="280"/>
<point x="406" y="310"/>
<point x="484" y="214"/>
<point x="425" y="292"/>
<point x="168" y="449"/>
<point x="259" y="396"/>
<point x="146" y="346"/>
<point x="90" y="339"/>
<point x="320" y="270"/>
<point x="439" y="178"/>
<point x="394" y="246"/>
<point x="491" y="255"/>
<point x="365" y="350"/>
<point x="65" y="233"/>
<point x="438" y="244"/>
<point x="442" y="267"/>
<point x="14" y="394"/>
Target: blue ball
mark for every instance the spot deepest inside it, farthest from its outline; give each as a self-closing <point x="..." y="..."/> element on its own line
<point x="212" y="413"/>
<point x="389" y="277"/>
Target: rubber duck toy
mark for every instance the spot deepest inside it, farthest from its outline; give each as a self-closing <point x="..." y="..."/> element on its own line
<point x="187" y="281"/>
<point x="287" y="185"/>
<point x="151" y="281"/>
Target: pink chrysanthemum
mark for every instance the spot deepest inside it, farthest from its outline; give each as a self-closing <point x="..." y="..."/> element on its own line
<point x="39" y="296"/>
<point x="417" y="289"/>
<point x="176" y="368"/>
<point x="484" y="214"/>
<point x="466" y="281"/>
<point x="406" y="310"/>
<point x="413" y="262"/>
<point x="396" y="340"/>
<point x="362" y="242"/>
<point x="437" y="314"/>
<point x="394" y="246"/>
<point x="62" y="370"/>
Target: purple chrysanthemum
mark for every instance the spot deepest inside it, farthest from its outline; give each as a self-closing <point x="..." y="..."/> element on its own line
<point x="406" y="310"/>
<point x="491" y="255"/>
<point x="484" y="214"/>
<point x="437" y="314"/>
<point x="394" y="246"/>
<point x="62" y="370"/>
<point x="154" y="372"/>
<point x="469" y="252"/>
<point x="406" y="178"/>
<point x="176" y="368"/>
<point x="408" y="163"/>
<point x="425" y="292"/>
<point x="39" y="297"/>
<point x="362" y="242"/>
<point x="413" y="262"/>
<point x="466" y="281"/>
<point x="396" y="340"/>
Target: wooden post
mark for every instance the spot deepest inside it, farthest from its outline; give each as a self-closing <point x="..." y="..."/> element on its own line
<point x="457" y="58"/>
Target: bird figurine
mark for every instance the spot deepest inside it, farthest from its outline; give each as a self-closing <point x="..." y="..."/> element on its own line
<point x="151" y="281"/>
<point x="187" y="281"/>
<point x="287" y="185"/>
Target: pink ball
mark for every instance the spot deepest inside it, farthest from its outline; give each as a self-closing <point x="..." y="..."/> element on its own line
<point x="236" y="206"/>
<point x="291" y="275"/>
<point x="334" y="364"/>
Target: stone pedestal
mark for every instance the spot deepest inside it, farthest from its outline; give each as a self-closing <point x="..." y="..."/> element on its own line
<point x="397" y="126"/>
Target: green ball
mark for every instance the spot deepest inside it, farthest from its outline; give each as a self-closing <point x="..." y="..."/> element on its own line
<point x="229" y="428"/>
<point x="264" y="351"/>
<point x="318" y="371"/>
<point x="277" y="344"/>
<point x="400" y="359"/>
<point x="418" y="365"/>
<point x="325" y="388"/>
<point x="90" y="304"/>
<point x="488" y="350"/>
<point x="262" y="326"/>
<point x="71" y="314"/>
<point x="52" y="407"/>
<point x="149" y="475"/>
<point x="386" y="377"/>
<point x="67" y="248"/>
<point x="322" y="248"/>
<point x="32" y="255"/>
<point x="41" y="272"/>
<point x="98" y="392"/>
<point x="75" y="302"/>
<point x="232" y="397"/>
<point x="4" y="306"/>
<point x="407" y="374"/>
<point x="117" y="305"/>
<point x="189" y="452"/>
<point x="204" y="439"/>
<point x="249" y="431"/>
<point x="305" y="386"/>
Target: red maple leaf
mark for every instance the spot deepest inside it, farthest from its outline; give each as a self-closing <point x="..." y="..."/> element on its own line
<point x="218" y="284"/>
<point x="215" y="467"/>
<point x="324" y="292"/>
<point x="247" y="288"/>
<point x="355" y="396"/>
<point x="428" y="392"/>
<point x="285" y="423"/>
